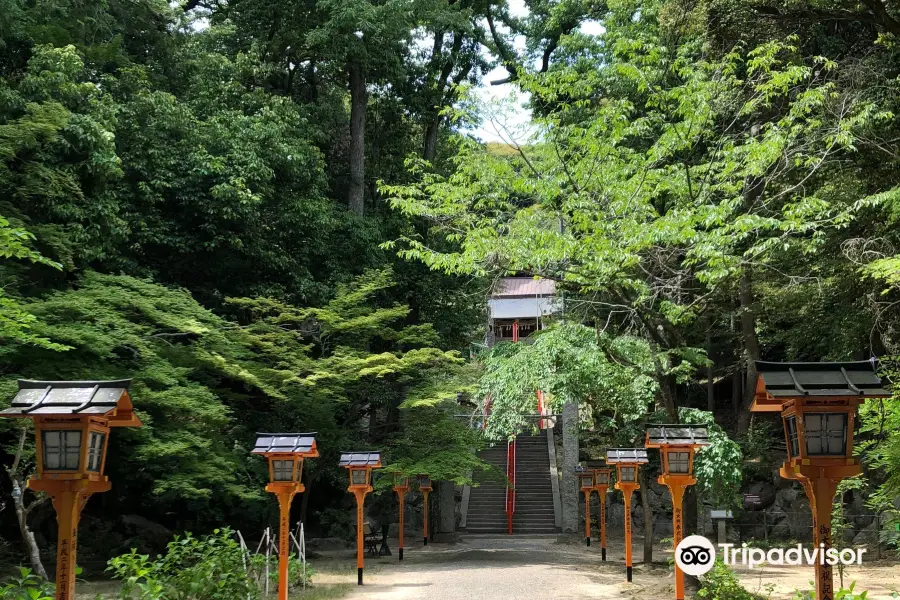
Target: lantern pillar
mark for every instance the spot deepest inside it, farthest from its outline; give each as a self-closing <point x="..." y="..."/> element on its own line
<point x="587" y="517"/>
<point x="360" y="502"/>
<point x="820" y="490"/>
<point x="68" y="497"/>
<point x="602" y="494"/>
<point x="677" y="491"/>
<point x="401" y="499"/>
<point x="425" y="511"/>
<point x="627" y="491"/>
<point x="284" y="537"/>
<point x="68" y="511"/>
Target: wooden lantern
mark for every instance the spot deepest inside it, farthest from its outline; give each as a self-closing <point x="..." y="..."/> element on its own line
<point x="628" y="462"/>
<point x="360" y="466"/>
<point x="285" y="453"/>
<point x="72" y="420"/>
<point x="401" y="487"/>
<point x="425" y="487"/>
<point x="601" y="484"/>
<point x="586" y="479"/>
<point x="818" y="403"/>
<point x="677" y="444"/>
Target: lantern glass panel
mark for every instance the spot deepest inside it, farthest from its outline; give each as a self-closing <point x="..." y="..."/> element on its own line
<point x="62" y="450"/>
<point x="358" y="477"/>
<point x="95" y="451"/>
<point x="826" y="434"/>
<point x="628" y="474"/>
<point x="425" y="482"/>
<point x="587" y="481"/>
<point x="282" y="470"/>
<point x="401" y="481"/>
<point x="790" y="425"/>
<point x="679" y="462"/>
<point x="602" y="478"/>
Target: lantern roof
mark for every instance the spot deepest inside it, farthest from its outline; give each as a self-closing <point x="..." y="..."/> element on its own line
<point x="626" y="455"/>
<point x="360" y="459"/>
<point x="779" y="382"/>
<point x="303" y="444"/>
<point x="677" y="435"/>
<point x="74" y="398"/>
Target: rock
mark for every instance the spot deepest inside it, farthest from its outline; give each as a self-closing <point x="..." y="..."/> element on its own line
<point x="766" y="492"/>
<point x="782" y="530"/>
<point x="867" y="537"/>
<point x="787" y="496"/>
<point x="144" y="533"/>
<point x="326" y="544"/>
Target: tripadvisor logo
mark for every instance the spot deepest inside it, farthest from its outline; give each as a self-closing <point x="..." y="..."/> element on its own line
<point x="695" y="555"/>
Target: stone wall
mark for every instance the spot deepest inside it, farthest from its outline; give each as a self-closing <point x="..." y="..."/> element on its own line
<point x="783" y="515"/>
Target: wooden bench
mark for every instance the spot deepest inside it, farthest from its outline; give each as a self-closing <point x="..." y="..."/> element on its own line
<point x="370" y="539"/>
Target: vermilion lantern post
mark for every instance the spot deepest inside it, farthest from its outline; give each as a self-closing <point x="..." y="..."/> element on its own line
<point x="425" y="486"/>
<point x="72" y="420"/>
<point x="677" y="444"/>
<point x="601" y="484"/>
<point x="401" y="486"/>
<point x="360" y="465"/>
<point x="586" y="479"/>
<point x="628" y="461"/>
<point x="818" y="402"/>
<point x="285" y="452"/>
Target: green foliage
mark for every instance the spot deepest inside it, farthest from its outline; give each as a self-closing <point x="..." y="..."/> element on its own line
<point x="568" y="362"/>
<point x="26" y="586"/>
<point x="841" y="594"/>
<point x="722" y="584"/>
<point x="719" y="466"/>
<point x="207" y="568"/>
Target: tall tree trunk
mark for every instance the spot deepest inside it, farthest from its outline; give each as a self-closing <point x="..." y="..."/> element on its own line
<point x="431" y="137"/>
<point x="648" y="517"/>
<point x="22" y="511"/>
<point x="358" y="101"/>
<point x="751" y="348"/>
<point x="710" y="384"/>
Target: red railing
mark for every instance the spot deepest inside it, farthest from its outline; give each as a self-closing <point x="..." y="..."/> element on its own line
<point x="511" y="488"/>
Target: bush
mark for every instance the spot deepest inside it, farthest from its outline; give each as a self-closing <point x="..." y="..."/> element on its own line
<point x="722" y="584"/>
<point x="841" y="594"/>
<point x="297" y="576"/>
<point x="27" y="586"/>
<point x="208" y="568"/>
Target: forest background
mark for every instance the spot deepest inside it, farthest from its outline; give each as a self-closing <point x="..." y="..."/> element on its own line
<point x="271" y="216"/>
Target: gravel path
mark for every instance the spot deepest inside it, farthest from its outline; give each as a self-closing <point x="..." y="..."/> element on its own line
<point x="505" y="568"/>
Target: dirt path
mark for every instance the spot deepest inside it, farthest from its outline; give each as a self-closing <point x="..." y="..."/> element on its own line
<point x="519" y="568"/>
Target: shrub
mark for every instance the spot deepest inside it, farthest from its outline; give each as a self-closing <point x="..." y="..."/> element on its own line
<point x="842" y="594"/>
<point x="207" y="568"/>
<point x="27" y="586"/>
<point x="722" y="584"/>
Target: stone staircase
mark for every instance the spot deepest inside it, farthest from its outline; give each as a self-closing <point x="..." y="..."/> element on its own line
<point x="534" y="492"/>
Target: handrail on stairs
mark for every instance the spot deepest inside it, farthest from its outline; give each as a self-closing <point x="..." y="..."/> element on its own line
<point x="511" y="488"/>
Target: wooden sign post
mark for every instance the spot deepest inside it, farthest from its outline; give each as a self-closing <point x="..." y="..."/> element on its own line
<point x="677" y="443"/>
<point x="818" y="402"/>
<point x="72" y="420"/>
<point x="285" y="452"/>
<point x="628" y="461"/>
<point x="360" y="465"/>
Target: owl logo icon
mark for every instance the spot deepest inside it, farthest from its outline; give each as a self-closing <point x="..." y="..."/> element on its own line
<point x="695" y="555"/>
